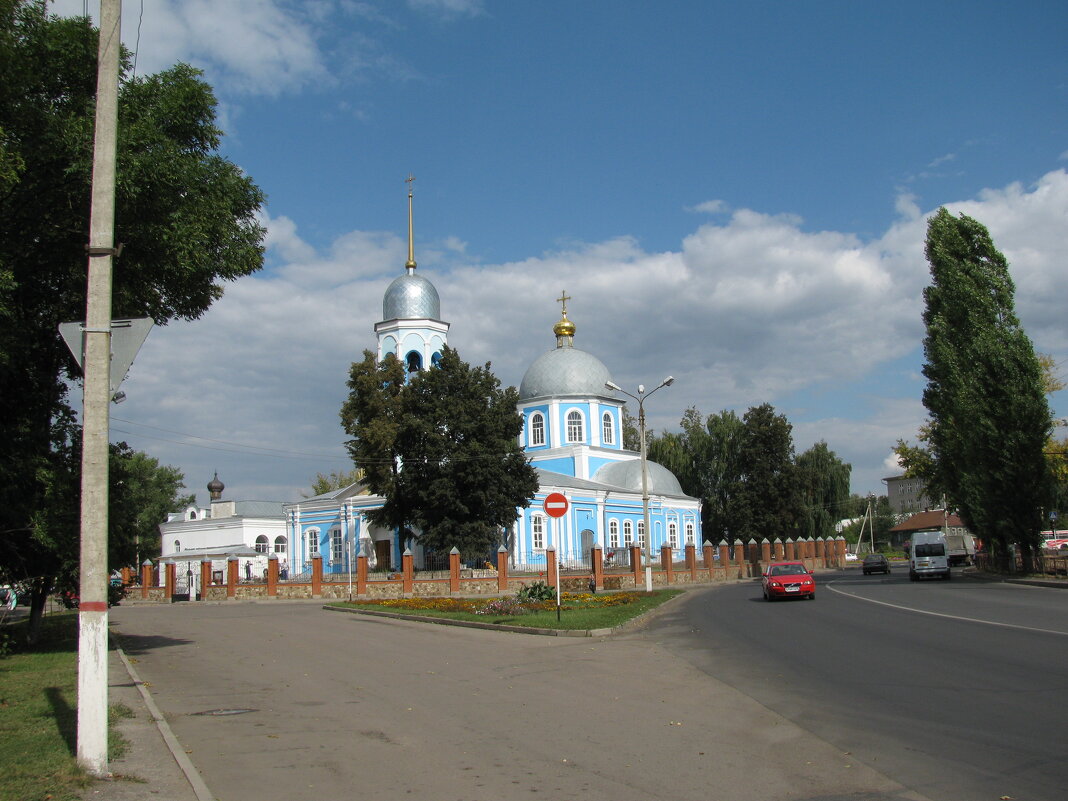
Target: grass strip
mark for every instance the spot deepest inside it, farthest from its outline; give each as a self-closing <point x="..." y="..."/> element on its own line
<point x="579" y="611"/>
<point x="39" y="714"/>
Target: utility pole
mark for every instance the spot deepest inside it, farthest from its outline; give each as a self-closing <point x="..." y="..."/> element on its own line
<point x="96" y="397"/>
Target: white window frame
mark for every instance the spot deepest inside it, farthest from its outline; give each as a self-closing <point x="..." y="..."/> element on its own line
<point x="537" y="429"/>
<point x="337" y="547"/>
<point x="608" y="429"/>
<point x="628" y="533"/>
<point x="537" y="532"/>
<point x="177" y="546"/>
<point x="673" y="535"/>
<point x="311" y="543"/>
<point x="690" y="534"/>
<point x="641" y="533"/>
<point x="262" y="544"/>
<point x="613" y="534"/>
<point x="575" y="425"/>
<point x="280" y="544"/>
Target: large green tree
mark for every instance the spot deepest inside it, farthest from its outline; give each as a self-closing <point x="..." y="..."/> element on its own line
<point x="768" y="497"/>
<point x="443" y="450"/>
<point x="823" y="480"/>
<point x="989" y="419"/>
<point x="185" y="216"/>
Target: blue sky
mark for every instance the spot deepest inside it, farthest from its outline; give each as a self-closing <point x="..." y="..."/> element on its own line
<point x="732" y="193"/>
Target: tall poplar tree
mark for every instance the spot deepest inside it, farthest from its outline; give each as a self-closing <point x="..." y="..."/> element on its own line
<point x="824" y="485"/>
<point x="989" y="419"/>
<point x="768" y="499"/>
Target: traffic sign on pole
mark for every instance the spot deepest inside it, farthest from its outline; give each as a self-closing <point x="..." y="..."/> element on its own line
<point x="555" y="504"/>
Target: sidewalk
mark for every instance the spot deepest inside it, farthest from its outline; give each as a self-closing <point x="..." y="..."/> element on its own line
<point x="150" y="768"/>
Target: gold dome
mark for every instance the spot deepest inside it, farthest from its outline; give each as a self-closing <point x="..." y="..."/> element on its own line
<point x="564" y="328"/>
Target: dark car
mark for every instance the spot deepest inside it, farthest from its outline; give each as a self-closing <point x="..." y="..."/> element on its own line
<point x="875" y="563"/>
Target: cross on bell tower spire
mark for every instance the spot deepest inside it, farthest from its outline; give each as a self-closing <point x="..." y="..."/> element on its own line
<point x="410" y="265"/>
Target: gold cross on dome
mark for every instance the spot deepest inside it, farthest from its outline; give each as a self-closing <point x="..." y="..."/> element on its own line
<point x="562" y="300"/>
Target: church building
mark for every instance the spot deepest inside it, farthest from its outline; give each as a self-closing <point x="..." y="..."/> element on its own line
<point x="572" y="433"/>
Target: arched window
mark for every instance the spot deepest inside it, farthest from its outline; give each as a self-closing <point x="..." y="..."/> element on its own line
<point x="537" y="532"/>
<point x="607" y="429"/>
<point x="177" y="546"/>
<point x="673" y="534"/>
<point x="280" y="543"/>
<point x="413" y="362"/>
<point x="613" y="533"/>
<point x="641" y="533"/>
<point x="689" y="534"/>
<point x="192" y="515"/>
<point x="628" y="533"/>
<point x="337" y="546"/>
<point x="435" y="360"/>
<point x="261" y="543"/>
<point x="537" y="429"/>
<point x="574" y="426"/>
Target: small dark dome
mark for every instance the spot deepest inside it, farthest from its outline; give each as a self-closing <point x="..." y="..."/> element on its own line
<point x="216" y="487"/>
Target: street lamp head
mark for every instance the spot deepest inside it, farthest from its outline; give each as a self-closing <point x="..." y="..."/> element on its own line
<point x="667" y="382"/>
<point x="611" y="386"/>
<point x="641" y="389"/>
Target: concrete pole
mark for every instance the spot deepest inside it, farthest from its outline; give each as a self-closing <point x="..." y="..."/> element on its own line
<point x="645" y="495"/>
<point x="93" y="604"/>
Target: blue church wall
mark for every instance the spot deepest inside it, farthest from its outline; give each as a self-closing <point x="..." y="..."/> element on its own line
<point x="562" y="464"/>
<point x="528" y="414"/>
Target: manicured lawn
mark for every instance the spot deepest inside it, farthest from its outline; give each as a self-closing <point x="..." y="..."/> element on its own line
<point x="39" y="713"/>
<point x="578" y="610"/>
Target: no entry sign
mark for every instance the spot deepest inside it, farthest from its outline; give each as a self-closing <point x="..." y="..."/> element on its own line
<point x="555" y="504"/>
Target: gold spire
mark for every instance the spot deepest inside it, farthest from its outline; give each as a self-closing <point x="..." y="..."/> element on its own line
<point x="410" y="266"/>
<point x="564" y="329"/>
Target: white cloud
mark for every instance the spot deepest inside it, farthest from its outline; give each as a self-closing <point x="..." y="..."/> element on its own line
<point x="744" y="312"/>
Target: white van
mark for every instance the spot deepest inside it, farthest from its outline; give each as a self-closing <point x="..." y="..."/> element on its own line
<point x="927" y="556"/>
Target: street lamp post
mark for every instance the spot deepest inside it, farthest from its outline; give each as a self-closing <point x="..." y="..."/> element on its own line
<point x="641" y="397"/>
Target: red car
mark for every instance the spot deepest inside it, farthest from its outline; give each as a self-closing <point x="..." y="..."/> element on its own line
<point x="787" y="580"/>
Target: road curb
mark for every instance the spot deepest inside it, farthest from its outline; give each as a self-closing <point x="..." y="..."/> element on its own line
<point x="192" y="775"/>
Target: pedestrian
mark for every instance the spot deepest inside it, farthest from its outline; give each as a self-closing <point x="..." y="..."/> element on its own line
<point x="283" y="570"/>
<point x="248" y="571"/>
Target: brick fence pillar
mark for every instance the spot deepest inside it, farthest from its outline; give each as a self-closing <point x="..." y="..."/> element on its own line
<point x="550" y="566"/>
<point x="502" y="569"/>
<point x="597" y="567"/>
<point x="779" y="553"/>
<point x="146" y="578"/>
<point x="790" y="556"/>
<point x="272" y="574"/>
<point x="708" y="559"/>
<point x="408" y="571"/>
<point x="454" y="571"/>
<point x="739" y="553"/>
<point x="361" y="575"/>
<point x="840" y="549"/>
<point x="765" y="550"/>
<point x="821" y="552"/>
<point x="667" y="563"/>
<point x="171" y="573"/>
<point x="691" y="560"/>
<point x="205" y="577"/>
<point x="231" y="577"/>
<point x="317" y="575"/>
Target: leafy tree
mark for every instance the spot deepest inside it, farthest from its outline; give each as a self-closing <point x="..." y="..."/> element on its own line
<point x="44" y="557"/>
<point x="143" y="492"/>
<point x="989" y="419"/>
<point x="705" y="457"/>
<point x="335" y="481"/>
<point x="824" y="484"/>
<point x="443" y="450"/>
<point x="371" y="416"/>
<point x="768" y="497"/>
<point x="632" y="439"/>
<point x="185" y="216"/>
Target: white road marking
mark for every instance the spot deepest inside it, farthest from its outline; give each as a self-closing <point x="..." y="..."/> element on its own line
<point x="830" y="586"/>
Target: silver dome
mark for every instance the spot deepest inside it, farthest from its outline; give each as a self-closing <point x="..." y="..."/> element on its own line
<point x="565" y="371"/>
<point x="628" y="475"/>
<point x="411" y="297"/>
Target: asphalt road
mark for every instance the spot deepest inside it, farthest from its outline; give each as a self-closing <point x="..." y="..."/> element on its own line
<point x="954" y="689"/>
<point x="284" y="701"/>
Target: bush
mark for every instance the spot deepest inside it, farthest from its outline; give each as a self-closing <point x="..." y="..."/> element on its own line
<point x="536" y="592"/>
